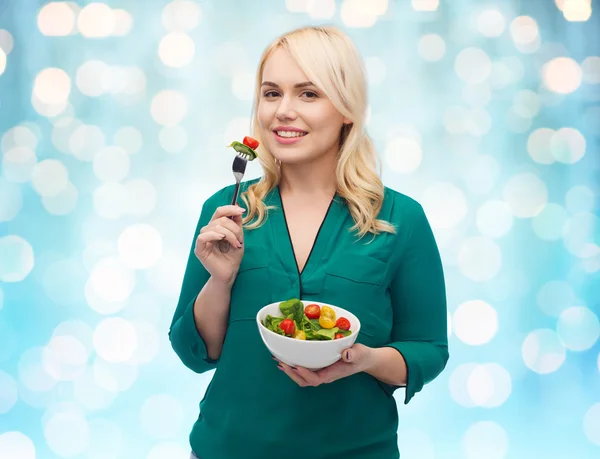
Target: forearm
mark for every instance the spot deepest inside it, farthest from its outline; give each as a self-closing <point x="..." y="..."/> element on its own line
<point x="211" y="313"/>
<point x="387" y="365"/>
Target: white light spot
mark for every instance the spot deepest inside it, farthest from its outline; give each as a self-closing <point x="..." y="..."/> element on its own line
<point x="321" y="9"/>
<point x="6" y="41"/>
<point x="526" y="195"/>
<point x="148" y="343"/>
<point x="168" y="450"/>
<point x="297" y="6"/>
<point x="458" y="384"/>
<point x="591" y="69"/>
<point x="480" y="174"/>
<point x="494" y="219"/>
<point x="549" y="224"/>
<point x="577" y="10"/>
<point x="78" y="329"/>
<point x="526" y="104"/>
<point x="106" y="439"/>
<point x="456" y="119"/>
<point x="542" y="351"/>
<point x="19" y="136"/>
<point x="31" y="372"/>
<point x="165" y="277"/>
<point x="479" y="122"/>
<point x="96" y="20"/>
<point x="90" y="394"/>
<point x="115" y="339"/>
<point x="580" y="199"/>
<point x="90" y="77"/>
<point x="416" y="444"/>
<point x="64" y="358"/>
<point x="176" y="49"/>
<point x="8" y="393"/>
<point x="485" y="439"/>
<point x="567" y="145"/>
<point x="478" y="95"/>
<point x="403" y="154"/>
<point x="142" y="197"/>
<point x="16" y="258"/>
<point x="357" y="13"/>
<point x="524" y="30"/>
<point x="538" y="145"/>
<point x="580" y="232"/>
<point x="49" y="177"/>
<point x="16" y="445"/>
<point x="230" y="58"/>
<point x="489" y="385"/>
<point x="376" y="70"/>
<point x="112" y="281"/>
<point x="116" y="376"/>
<point x="475" y="322"/>
<point x="143" y="306"/>
<point x="111" y="200"/>
<point x="52" y="86"/>
<point x="86" y="141"/>
<point x="161" y="416"/>
<point x="2" y="62"/>
<point x="62" y="203"/>
<point x="111" y="164"/>
<point x="18" y="164"/>
<point x="473" y="65"/>
<point x="242" y="85"/>
<point x="181" y="15"/>
<point x="128" y="138"/>
<point x="140" y="246"/>
<point x="173" y="139"/>
<point x="67" y="432"/>
<point x="168" y="108"/>
<point x="123" y="22"/>
<point x="63" y="280"/>
<point x="562" y="75"/>
<point x="444" y="204"/>
<point x="56" y="19"/>
<point x="432" y="47"/>
<point x="491" y="23"/>
<point x="591" y="424"/>
<point x="578" y="328"/>
<point x="479" y="259"/>
<point x="425" y="5"/>
<point x="555" y="296"/>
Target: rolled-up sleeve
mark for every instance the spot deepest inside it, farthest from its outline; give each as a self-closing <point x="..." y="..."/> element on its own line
<point x="418" y="294"/>
<point x="183" y="334"/>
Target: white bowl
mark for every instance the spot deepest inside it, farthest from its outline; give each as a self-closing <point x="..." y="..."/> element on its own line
<point x="313" y="355"/>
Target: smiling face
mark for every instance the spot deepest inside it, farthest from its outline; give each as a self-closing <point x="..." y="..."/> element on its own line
<point x="298" y="123"/>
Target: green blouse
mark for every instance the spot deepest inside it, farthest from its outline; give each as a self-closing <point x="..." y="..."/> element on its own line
<point x="393" y="283"/>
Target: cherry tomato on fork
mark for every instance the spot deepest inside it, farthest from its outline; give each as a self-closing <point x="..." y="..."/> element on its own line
<point x="250" y="142"/>
<point x="288" y="326"/>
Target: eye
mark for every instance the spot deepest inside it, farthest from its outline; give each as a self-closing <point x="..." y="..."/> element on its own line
<point x="310" y="94"/>
<point x="271" y="94"/>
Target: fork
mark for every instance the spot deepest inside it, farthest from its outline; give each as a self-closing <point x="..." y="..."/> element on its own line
<point x="239" y="167"/>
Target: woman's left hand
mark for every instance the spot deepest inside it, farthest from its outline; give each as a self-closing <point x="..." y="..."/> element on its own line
<point x="354" y="360"/>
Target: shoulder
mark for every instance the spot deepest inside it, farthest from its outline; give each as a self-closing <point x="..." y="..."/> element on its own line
<point x="399" y="207"/>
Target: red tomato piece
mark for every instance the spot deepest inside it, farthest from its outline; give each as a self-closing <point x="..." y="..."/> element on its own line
<point x="338" y="336"/>
<point x="250" y="142"/>
<point x="288" y="326"/>
<point x="343" y="324"/>
<point x="312" y="311"/>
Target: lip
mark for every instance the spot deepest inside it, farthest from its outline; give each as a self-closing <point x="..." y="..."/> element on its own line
<point x="288" y="140"/>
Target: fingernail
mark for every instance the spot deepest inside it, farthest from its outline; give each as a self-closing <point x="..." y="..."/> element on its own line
<point x="348" y="355"/>
<point x="293" y="368"/>
<point x="241" y="243"/>
<point x="280" y="367"/>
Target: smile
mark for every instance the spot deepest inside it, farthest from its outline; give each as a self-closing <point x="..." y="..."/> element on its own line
<point x="290" y="134"/>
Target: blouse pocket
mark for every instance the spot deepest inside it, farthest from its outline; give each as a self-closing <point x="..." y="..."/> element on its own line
<point x="250" y="291"/>
<point x="357" y="283"/>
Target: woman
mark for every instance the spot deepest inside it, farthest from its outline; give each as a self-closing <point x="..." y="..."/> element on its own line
<point x="319" y="226"/>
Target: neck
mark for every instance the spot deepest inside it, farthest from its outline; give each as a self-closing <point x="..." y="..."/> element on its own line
<point x="310" y="179"/>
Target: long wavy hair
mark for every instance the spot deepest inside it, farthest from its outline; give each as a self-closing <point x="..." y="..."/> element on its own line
<point x="331" y="62"/>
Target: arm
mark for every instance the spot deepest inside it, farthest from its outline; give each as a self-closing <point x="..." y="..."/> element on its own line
<point x="200" y="320"/>
<point x="419" y="332"/>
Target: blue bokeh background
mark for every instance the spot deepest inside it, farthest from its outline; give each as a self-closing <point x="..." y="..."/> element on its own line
<point x="114" y="118"/>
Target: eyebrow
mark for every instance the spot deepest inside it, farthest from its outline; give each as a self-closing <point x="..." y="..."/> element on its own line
<point x="298" y="85"/>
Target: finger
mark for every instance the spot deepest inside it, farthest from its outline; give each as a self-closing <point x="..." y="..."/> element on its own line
<point x="227" y="211"/>
<point x="229" y="236"/>
<point x="209" y="236"/>
<point x="309" y="376"/>
<point x="294" y="376"/>
<point x="334" y="372"/>
<point x="231" y="225"/>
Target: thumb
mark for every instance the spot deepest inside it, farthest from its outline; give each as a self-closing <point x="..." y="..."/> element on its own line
<point x="349" y="355"/>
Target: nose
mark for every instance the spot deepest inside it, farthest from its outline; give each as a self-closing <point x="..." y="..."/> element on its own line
<point x="285" y="110"/>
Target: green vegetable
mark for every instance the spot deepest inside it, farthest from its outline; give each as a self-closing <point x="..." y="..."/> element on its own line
<point x="294" y="309"/>
<point x="244" y="149"/>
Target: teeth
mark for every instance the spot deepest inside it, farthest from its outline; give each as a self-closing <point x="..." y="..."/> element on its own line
<point x="290" y="134"/>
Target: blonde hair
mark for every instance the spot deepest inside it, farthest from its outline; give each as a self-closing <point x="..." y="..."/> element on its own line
<point x="330" y="60"/>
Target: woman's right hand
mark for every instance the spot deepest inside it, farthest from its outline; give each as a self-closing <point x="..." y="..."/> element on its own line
<point x="222" y="266"/>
